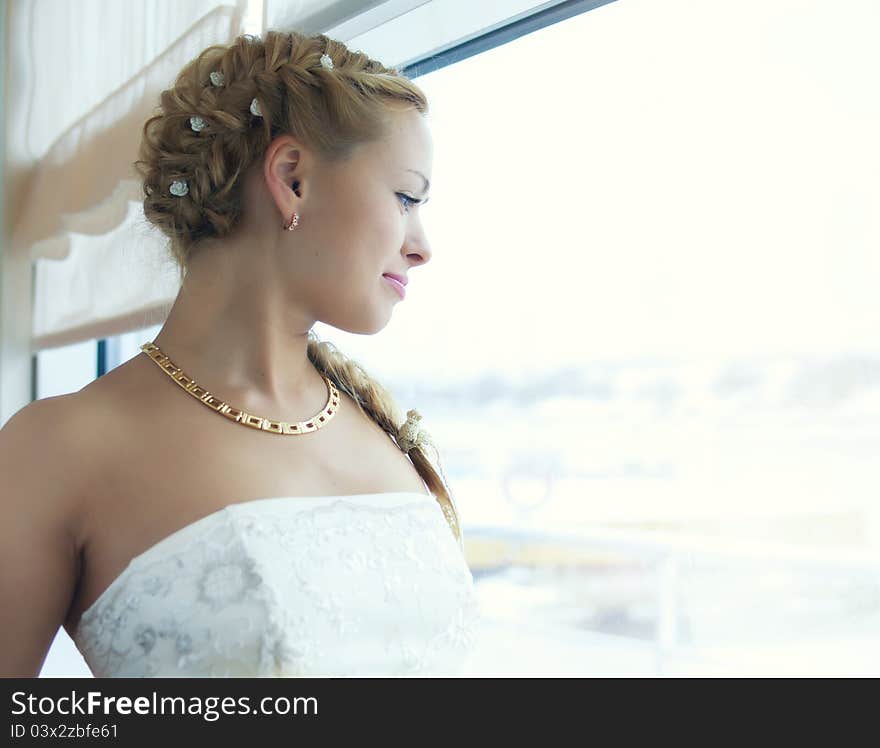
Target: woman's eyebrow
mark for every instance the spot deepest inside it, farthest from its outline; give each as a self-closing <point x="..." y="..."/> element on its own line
<point x="427" y="183"/>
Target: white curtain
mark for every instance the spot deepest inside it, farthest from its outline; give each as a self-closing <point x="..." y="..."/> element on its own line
<point x="83" y="77"/>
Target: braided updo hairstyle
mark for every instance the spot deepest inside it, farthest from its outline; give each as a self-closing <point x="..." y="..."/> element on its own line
<point x="332" y="105"/>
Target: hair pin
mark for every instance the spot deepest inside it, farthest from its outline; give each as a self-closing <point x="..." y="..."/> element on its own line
<point x="197" y="123"/>
<point x="327" y="61"/>
<point x="217" y="78"/>
<point x="255" y="108"/>
<point x="179" y="188"/>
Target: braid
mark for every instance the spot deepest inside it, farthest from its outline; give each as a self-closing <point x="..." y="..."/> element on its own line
<point x="377" y="403"/>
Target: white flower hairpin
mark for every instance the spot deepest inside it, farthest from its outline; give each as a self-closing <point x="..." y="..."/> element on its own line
<point x="410" y="434"/>
<point x="179" y="188"/>
<point x="197" y="124"/>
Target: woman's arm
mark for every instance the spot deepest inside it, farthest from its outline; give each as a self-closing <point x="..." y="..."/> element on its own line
<point x="38" y="548"/>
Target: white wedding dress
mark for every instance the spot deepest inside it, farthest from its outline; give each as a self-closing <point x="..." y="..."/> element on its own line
<point x="359" y="585"/>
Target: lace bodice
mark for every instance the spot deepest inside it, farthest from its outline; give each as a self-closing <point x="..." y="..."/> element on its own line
<point x="362" y="585"/>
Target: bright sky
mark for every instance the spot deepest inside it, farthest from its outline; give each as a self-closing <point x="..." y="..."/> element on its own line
<point x="651" y="178"/>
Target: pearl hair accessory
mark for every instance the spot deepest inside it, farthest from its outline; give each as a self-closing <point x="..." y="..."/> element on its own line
<point x="179" y="188"/>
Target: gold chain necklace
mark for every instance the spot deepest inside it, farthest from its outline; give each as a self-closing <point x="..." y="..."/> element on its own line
<point x="409" y="435"/>
<point x="241" y="416"/>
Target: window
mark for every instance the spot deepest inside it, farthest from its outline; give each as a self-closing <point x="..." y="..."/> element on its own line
<point x="646" y="342"/>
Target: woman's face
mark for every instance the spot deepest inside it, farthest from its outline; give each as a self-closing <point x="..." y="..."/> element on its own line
<point x="359" y="219"/>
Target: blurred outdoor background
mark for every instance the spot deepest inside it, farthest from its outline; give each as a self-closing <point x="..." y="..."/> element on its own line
<point x="647" y="342"/>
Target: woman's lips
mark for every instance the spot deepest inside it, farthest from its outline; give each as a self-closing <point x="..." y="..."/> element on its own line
<point x="398" y="286"/>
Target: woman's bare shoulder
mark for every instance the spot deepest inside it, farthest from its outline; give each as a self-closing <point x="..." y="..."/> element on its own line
<point x="42" y="426"/>
<point x="63" y="441"/>
<point x="76" y="435"/>
<point x="50" y="444"/>
<point x="42" y="463"/>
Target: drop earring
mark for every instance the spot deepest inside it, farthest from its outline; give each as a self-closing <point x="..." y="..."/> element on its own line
<point x="294" y="221"/>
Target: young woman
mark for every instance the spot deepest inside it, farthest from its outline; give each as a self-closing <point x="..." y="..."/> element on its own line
<point x="242" y="499"/>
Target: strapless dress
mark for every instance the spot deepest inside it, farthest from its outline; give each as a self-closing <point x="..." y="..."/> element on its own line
<point x="328" y="586"/>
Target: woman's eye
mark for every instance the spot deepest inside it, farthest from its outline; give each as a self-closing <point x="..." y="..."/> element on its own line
<point x="407" y="200"/>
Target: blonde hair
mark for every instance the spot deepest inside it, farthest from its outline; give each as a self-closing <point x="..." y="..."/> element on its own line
<point x="331" y="109"/>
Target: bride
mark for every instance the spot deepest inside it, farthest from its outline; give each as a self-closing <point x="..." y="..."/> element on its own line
<point x="241" y="498"/>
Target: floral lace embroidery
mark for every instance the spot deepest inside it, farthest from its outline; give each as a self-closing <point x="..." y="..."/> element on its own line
<point x="273" y="589"/>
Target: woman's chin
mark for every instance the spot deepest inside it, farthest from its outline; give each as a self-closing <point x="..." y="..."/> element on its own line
<point x="371" y="326"/>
